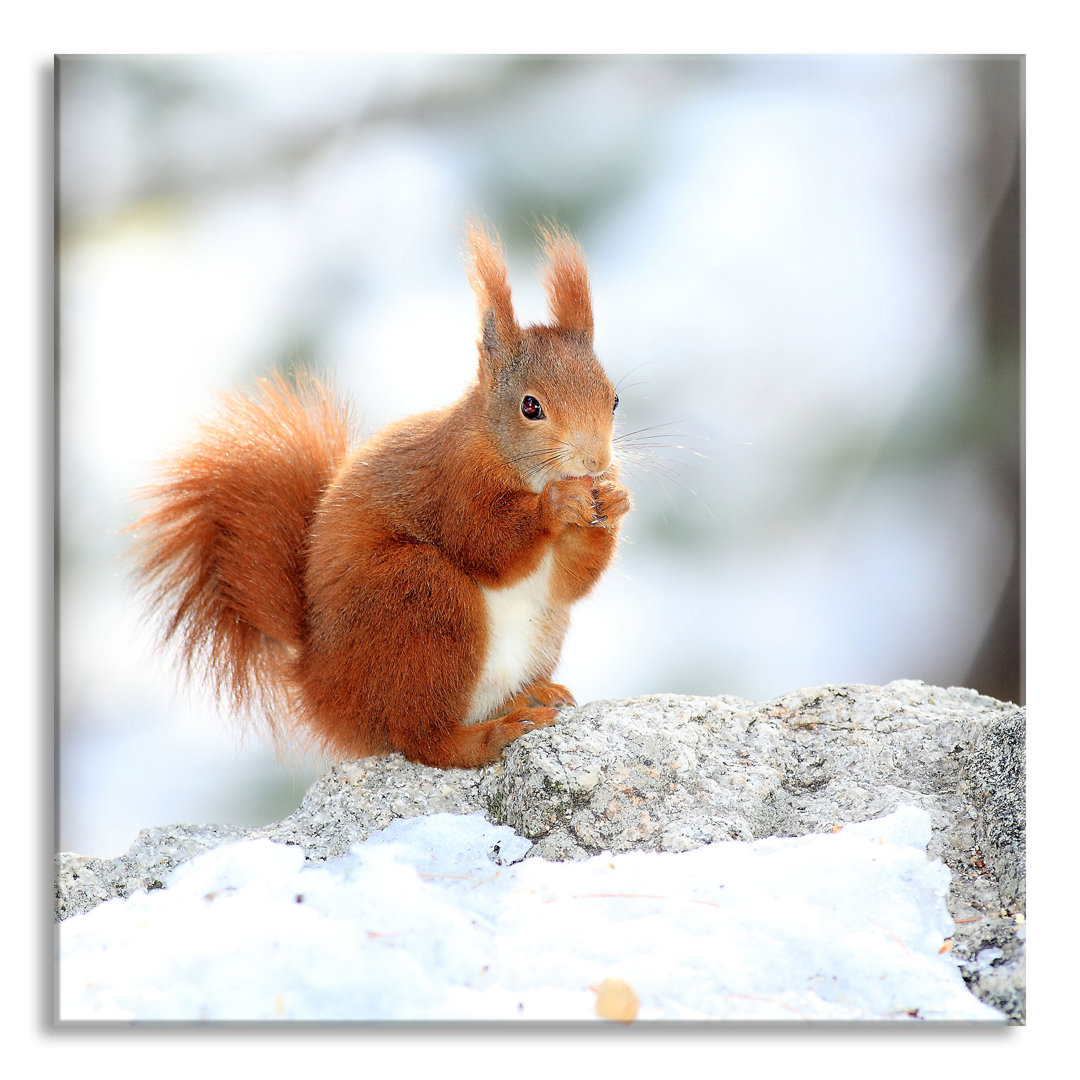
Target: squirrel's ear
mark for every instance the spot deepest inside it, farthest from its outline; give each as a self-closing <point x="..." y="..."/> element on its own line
<point x="566" y="281"/>
<point x="499" y="332"/>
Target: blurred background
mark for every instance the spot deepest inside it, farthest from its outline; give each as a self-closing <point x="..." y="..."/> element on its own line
<point x="806" y="278"/>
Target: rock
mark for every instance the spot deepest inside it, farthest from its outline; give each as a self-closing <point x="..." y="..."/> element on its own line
<point x="672" y="773"/>
<point x="83" y="882"/>
<point x="991" y="947"/>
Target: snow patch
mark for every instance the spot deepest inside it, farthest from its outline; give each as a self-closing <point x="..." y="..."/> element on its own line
<point x="439" y="918"/>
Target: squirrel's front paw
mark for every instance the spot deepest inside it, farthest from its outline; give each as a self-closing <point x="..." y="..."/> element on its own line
<point x="610" y="502"/>
<point x="569" y="502"/>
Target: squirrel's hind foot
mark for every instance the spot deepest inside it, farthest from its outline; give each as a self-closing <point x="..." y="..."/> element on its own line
<point x="468" y="746"/>
<point x="540" y="692"/>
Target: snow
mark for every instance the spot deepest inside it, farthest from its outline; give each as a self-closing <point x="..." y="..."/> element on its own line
<point x="439" y="918"/>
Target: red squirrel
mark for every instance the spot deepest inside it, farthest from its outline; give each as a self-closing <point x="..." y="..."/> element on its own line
<point x="413" y="593"/>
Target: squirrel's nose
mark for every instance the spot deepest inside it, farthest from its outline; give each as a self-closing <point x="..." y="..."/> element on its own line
<point x="593" y="452"/>
<point x="596" y="463"/>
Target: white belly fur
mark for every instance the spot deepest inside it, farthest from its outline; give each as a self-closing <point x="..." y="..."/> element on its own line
<point x="518" y="624"/>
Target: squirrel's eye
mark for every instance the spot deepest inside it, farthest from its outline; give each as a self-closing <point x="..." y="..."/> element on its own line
<point x="616" y="405"/>
<point x="531" y="410"/>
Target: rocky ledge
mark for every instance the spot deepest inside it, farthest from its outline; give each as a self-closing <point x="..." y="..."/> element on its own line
<point x="672" y="773"/>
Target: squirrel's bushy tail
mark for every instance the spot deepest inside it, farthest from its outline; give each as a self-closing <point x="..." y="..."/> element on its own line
<point x="221" y="548"/>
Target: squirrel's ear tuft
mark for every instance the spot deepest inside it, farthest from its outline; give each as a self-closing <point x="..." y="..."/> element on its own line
<point x="566" y="280"/>
<point x="499" y="331"/>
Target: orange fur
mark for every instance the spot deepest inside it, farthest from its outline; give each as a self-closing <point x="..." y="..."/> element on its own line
<point x="385" y="596"/>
